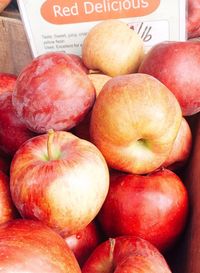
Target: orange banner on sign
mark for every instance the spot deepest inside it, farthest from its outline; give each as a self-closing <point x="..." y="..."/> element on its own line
<point x="76" y="11"/>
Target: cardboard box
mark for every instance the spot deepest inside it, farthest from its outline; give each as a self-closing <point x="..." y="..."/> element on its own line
<point x="15" y="52"/>
<point x="185" y="257"/>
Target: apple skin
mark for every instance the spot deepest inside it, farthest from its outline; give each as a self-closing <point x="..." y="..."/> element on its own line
<point x="12" y="131"/>
<point x="176" y="64"/>
<point x="30" y="246"/>
<point x="7" y="210"/>
<point x="154" y="207"/>
<point x="7" y="82"/>
<point x="134" y="123"/>
<point x="78" y="60"/>
<point x="126" y="254"/>
<point x="52" y="92"/>
<point x="59" y="179"/>
<point x="193" y="19"/>
<point x="84" y="242"/>
<point x="181" y="149"/>
<point x="82" y="130"/>
<point x="99" y="80"/>
<point x="103" y="46"/>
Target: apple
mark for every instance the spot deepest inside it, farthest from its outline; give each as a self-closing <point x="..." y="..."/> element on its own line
<point x="177" y="65"/>
<point x="29" y="246"/>
<point x="7" y="210"/>
<point x="12" y="131"/>
<point x="84" y="242"/>
<point x="153" y="206"/>
<point x="181" y="148"/>
<point x="126" y="254"/>
<point x="193" y="19"/>
<point x="59" y="179"/>
<point x="134" y="123"/>
<point x="4" y="4"/>
<point x="112" y="48"/>
<point x="7" y="81"/>
<point x="52" y="92"/>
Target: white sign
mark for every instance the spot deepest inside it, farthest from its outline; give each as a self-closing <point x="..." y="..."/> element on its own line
<point x="61" y="25"/>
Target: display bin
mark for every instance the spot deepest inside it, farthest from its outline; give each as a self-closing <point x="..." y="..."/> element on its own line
<point x="15" y="53"/>
<point x="185" y="256"/>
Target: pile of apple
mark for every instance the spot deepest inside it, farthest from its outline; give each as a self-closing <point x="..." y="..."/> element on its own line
<point x="90" y="150"/>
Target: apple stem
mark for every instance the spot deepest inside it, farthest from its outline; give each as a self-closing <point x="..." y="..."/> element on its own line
<point x="49" y="144"/>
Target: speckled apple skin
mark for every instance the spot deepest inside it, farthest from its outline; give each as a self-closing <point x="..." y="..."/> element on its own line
<point x="7" y="82"/>
<point x="52" y="92"/>
<point x="12" y="131"/>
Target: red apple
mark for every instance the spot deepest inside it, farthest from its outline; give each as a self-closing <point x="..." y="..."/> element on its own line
<point x="177" y="65"/>
<point x="134" y="123"/>
<point x="7" y="210"/>
<point x="154" y="207"/>
<point x="181" y="149"/>
<point x="84" y="242"/>
<point x="59" y="179"/>
<point x="29" y="247"/>
<point x="52" y="92"/>
<point x="193" y="19"/>
<point x="12" y="131"/>
<point x="7" y="82"/>
<point x="126" y="254"/>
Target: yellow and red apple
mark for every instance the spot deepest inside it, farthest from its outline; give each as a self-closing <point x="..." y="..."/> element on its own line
<point x="59" y="179"/>
<point x="112" y="48"/>
<point x="134" y="122"/>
